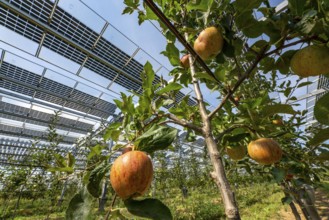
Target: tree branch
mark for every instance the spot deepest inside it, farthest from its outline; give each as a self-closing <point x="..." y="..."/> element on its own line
<point x="289" y="45"/>
<point x="183" y="123"/>
<point x="260" y="56"/>
<point x="219" y="136"/>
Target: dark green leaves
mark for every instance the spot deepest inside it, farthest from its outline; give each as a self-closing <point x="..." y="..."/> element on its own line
<point x="80" y="206"/>
<point x="321" y="109"/>
<point x="283" y="62"/>
<point x="320" y="137"/>
<point x="156" y="138"/>
<point x="148" y="208"/>
<point x="278" y="108"/>
<point x="245" y="20"/>
<point x="286" y="200"/>
<point x="278" y="174"/>
<point x="296" y="6"/>
<point x="96" y="177"/>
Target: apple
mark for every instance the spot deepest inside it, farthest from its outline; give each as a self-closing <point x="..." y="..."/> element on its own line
<point x="310" y="61"/>
<point x="131" y="174"/>
<point x="184" y="61"/>
<point x="236" y="153"/>
<point x="209" y="43"/>
<point x="265" y="151"/>
<point x="278" y="122"/>
<point x="237" y="98"/>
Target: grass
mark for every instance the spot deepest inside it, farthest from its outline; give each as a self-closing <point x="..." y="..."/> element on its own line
<point x="259" y="201"/>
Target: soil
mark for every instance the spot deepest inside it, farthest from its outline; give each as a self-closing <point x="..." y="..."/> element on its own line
<point x="321" y="203"/>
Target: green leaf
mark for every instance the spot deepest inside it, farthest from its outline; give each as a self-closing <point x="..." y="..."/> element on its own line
<point x="150" y="14"/>
<point x="96" y="150"/>
<point x="128" y="10"/>
<point x="277" y="109"/>
<point x="321" y="109"/>
<point x="201" y="5"/>
<point x="131" y="3"/>
<point x="203" y="75"/>
<point x="147" y="75"/>
<point x="70" y="160"/>
<point x="170" y="87"/>
<point x="242" y="5"/>
<point x="296" y="6"/>
<point x="156" y="138"/>
<point x="320" y="137"/>
<point x="111" y="132"/>
<point x="95" y="178"/>
<point x="283" y="62"/>
<point x="278" y="174"/>
<point x="80" y="206"/>
<point x="286" y="200"/>
<point x="60" y="160"/>
<point x="172" y="53"/>
<point x="304" y="84"/>
<point x="148" y="208"/>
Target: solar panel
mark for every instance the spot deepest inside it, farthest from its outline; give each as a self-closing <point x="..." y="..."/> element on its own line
<point x="32" y="116"/>
<point x="52" y="91"/>
<point x="74" y="30"/>
<point x="20" y="25"/>
<point x="18" y="132"/>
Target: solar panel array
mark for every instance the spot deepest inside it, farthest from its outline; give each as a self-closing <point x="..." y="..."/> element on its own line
<point x="32" y="116"/>
<point x="31" y="84"/>
<point x="48" y="25"/>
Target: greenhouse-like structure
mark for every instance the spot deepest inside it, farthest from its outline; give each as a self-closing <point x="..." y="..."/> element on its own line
<point x="164" y="109"/>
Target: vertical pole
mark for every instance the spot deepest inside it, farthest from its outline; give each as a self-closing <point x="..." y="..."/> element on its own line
<point x="60" y="201"/>
<point x="103" y="199"/>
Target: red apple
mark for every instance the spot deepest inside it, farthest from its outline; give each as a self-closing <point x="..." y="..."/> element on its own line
<point x="184" y="61"/>
<point x="131" y="174"/>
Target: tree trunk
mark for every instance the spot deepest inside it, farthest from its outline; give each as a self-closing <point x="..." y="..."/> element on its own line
<point x="308" y="203"/>
<point x="103" y="199"/>
<point x="293" y="208"/>
<point x="17" y="203"/>
<point x="219" y="176"/>
<point x="294" y="211"/>
<point x="60" y="201"/>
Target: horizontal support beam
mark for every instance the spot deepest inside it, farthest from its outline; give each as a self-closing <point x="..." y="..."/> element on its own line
<point x="316" y="92"/>
<point x="30" y="136"/>
<point x="43" y="121"/>
<point x="83" y="115"/>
